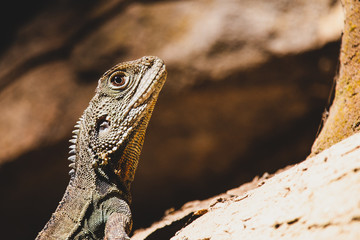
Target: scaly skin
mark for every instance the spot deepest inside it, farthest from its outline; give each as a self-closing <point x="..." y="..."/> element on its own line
<point x="106" y="146"/>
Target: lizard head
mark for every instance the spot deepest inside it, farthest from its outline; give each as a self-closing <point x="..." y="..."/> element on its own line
<point x="113" y="126"/>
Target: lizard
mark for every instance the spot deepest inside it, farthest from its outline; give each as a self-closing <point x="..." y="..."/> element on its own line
<point x="104" y="154"/>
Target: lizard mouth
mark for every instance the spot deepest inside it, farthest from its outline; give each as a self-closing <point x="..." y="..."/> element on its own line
<point x="153" y="89"/>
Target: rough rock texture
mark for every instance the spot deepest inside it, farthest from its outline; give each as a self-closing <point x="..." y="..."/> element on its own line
<point x="316" y="199"/>
<point x="243" y="76"/>
<point x="344" y="118"/>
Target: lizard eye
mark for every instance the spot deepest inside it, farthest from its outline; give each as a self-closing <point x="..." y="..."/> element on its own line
<point x="118" y="80"/>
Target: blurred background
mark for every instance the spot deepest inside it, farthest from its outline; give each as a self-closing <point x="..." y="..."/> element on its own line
<point x="248" y="82"/>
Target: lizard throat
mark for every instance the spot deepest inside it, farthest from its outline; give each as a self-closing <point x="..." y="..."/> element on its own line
<point x="122" y="163"/>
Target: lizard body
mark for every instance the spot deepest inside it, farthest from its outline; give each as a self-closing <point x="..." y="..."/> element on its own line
<point x="105" y="151"/>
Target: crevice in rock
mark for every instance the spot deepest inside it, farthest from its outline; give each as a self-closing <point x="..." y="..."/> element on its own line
<point x="170" y="230"/>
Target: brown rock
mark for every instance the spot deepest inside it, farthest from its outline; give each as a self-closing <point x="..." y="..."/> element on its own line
<point x="343" y="118"/>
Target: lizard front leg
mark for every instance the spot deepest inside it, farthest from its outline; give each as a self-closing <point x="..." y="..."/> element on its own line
<point x="116" y="227"/>
<point x="118" y="222"/>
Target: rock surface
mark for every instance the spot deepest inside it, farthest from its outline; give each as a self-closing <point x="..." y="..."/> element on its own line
<point x="343" y="117"/>
<point x="316" y="199"/>
<point x="243" y="76"/>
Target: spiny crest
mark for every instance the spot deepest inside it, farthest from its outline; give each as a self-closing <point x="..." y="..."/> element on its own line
<point x="72" y="147"/>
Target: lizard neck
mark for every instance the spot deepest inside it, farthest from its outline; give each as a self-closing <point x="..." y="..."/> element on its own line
<point x="77" y="198"/>
<point x="99" y="181"/>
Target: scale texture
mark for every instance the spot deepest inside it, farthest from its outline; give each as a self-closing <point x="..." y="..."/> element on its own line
<point x="104" y="154"/>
